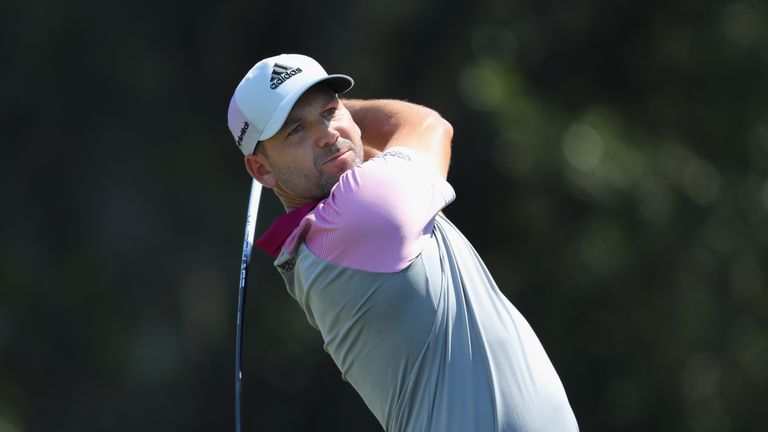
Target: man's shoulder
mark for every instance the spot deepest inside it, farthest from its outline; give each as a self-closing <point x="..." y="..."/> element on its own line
<point x="398" y="152"/>
<point x="383" y="183"/>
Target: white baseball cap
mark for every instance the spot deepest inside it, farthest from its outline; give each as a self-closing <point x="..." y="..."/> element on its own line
<point x="266" y="94"/>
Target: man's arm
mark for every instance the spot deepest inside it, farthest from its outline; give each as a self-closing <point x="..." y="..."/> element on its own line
<point x="386" y="123"/>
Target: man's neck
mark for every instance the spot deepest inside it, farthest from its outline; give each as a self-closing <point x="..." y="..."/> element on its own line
<point x="291" y="202"/>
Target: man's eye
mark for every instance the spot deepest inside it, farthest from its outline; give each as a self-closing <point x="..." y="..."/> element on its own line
<point x="296" y="129"/>
<point x="330" y="112"/>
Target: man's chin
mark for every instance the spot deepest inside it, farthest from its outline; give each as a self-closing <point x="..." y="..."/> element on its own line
<point x="333" y="170"/>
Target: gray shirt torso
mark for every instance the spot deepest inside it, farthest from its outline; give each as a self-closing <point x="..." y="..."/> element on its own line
<point x="435" y="346"/>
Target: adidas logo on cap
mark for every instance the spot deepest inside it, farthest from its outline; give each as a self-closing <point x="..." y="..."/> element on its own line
<point x="280" y="74"/>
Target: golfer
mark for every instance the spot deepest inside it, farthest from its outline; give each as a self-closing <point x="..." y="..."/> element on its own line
<point x="405" y="306"/>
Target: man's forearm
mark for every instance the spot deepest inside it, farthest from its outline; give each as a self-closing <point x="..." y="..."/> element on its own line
<point x="387" y="123"/>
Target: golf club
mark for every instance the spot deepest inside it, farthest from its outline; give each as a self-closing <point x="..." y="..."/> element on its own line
<point x="250" y="228"/>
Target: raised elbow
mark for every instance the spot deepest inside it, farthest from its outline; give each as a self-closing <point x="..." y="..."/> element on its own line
<point x="436" y="123"/>
<point x="447" y="128"/>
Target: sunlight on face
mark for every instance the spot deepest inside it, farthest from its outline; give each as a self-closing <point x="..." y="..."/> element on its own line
<point x="317" y="144"/>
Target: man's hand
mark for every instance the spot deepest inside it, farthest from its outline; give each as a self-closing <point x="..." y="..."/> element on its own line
<point x="387" y="123"/>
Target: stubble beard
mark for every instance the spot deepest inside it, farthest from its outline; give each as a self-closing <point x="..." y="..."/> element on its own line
<point x="326" y="182"/>
<point x="317" y="184"/>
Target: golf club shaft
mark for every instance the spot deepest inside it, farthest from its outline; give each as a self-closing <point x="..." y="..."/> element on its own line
<point x="250" y="228"/>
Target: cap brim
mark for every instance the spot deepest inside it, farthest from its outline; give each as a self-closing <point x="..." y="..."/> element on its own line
<point x="338" y="83"/>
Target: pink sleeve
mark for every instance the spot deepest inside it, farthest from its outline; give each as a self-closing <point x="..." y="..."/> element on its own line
<point x="380" y="213"/>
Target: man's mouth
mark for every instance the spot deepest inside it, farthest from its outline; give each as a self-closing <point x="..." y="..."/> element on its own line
<point x="337" y="155"/>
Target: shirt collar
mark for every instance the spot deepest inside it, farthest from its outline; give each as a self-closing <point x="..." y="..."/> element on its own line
<point x="273" y="239"/>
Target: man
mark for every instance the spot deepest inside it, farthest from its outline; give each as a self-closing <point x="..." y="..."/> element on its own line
<point x="405" y="306"/>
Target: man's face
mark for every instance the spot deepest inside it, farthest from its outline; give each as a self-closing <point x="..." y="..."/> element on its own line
<point x="318" y="142"/>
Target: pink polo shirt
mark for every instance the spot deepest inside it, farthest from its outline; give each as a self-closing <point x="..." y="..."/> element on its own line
<point x="376" y="218"/>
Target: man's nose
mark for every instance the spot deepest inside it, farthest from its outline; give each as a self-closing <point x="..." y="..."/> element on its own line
<point x="327" y="135"/>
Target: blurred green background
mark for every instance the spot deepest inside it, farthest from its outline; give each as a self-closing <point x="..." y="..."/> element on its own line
<point x="610" y="161"/>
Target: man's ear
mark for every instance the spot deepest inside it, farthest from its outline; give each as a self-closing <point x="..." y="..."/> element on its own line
<point x="258" y="167"/>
